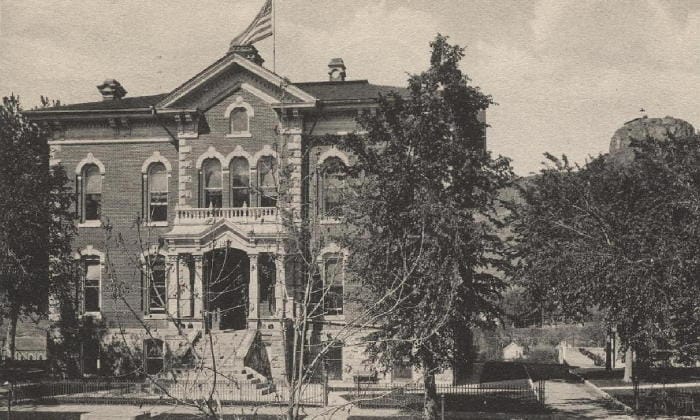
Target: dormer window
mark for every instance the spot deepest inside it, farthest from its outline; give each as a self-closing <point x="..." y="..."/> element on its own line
<point x="239" y="114"/>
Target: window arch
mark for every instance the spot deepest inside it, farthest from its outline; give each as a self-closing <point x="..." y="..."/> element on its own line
<point x="267" y="181"/>
<point x="240" y="182"/>
<point x="155" y="283"/>
<point x="212" y="183"/>
<point x="157" y="193"/>
<point x="333" y="177"/>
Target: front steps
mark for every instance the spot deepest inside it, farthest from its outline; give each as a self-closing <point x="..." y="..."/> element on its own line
<point x="224" y="353"/>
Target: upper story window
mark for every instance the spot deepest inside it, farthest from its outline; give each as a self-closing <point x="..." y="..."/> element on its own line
<point x="92" y="193"/>
<point x="239" y="114"/>
<point x="156" y="284"/>
<point x="157" y="187"/>
<point x="333" y="174"/>
<point x="239" y="120"/>
<point x="333" y="284"/>
<point x="212" y="177"/>
<point x="240" y="182"/>
<point x="267" y="181"/>
<point x="92" y="276"/>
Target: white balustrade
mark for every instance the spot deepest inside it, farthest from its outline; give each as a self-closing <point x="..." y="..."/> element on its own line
<point x="198" y="216"/>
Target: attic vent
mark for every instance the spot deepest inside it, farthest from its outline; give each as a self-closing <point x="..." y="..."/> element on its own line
<point x="110" y="89"/>
<point x="336" y="70"/>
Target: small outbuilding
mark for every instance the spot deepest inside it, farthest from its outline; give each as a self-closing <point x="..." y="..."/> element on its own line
<point x="513" y="351"/>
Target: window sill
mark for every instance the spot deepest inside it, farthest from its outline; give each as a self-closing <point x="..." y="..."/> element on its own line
<point x="239" y="134"/>
<point x="90" y="224"/>
<point x="338" y="318"/>
<point x="156" y="224"/>
<point x="94" y="315"/>
<point x="156" y="316"/>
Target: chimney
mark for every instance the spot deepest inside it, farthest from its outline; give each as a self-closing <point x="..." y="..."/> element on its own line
<point x="111" y="90"/>
<point x="336" y="70"/>
<point x="248" y="52"/>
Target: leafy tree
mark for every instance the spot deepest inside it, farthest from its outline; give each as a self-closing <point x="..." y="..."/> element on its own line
<point x="621" y="238"/>
<point x="423" y="246"/>
<point x="35" y="219"/>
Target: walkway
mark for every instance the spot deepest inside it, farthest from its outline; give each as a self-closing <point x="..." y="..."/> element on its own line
<point x="579" y="401"/>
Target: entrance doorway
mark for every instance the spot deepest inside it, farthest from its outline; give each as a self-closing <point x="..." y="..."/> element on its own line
<point x="226" y="273"/>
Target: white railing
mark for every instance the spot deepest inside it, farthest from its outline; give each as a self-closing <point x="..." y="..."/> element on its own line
<point x="194" y="216"/>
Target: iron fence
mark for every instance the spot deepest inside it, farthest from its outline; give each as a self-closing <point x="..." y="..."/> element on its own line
<point x="661" y="400"/>
<point x="468" y="397"/>
<point x="160" y="391"/>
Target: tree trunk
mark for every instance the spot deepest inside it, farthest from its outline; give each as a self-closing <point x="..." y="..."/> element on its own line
<point x="14" y="316"/>
<point x="430" y="402"/>
<point x="629" y="360"/>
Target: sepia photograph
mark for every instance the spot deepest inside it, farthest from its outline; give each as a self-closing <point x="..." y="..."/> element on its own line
<point x="360" y="209"/>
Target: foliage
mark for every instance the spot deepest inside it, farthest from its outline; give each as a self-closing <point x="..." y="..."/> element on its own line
<point x="424" y="247"/>
<point x="622" y="238"/>
<point x="35" y="218"/>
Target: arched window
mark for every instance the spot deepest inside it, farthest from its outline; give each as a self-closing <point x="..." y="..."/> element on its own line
<point x="154" y="353"/>
<point x="156" y="284"/>
<point x="212" y="192"/>
<point x="92" y="276"/>
<point x="333" y="175"/>
<point x="157" y="186"/>
<point x="267" y="177"/>
<point x="240" y="182"/>
<point x="92" y="192"/>
<point x="333" y="284"/>
<point x="239" y="120"/>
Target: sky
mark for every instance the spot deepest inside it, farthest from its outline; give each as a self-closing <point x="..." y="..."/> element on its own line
<point x="564" y="74"/>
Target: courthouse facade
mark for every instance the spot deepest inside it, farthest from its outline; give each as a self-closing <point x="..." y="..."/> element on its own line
<point x="193" y="184"/>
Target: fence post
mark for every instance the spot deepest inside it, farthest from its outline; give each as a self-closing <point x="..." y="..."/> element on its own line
<point x="9" y="402"/>
<point x="442" y="406"/>
<point x="325" y="390"/>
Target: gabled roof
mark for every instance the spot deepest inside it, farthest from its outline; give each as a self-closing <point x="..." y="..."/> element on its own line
<point x="351" y="90"/>
<point x="307" y="92"/>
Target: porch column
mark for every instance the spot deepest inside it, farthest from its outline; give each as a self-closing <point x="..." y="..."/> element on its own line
<point x="171" y="286"/>
<point x="253" y="292"/>
<point x="280" y="291"/>
<point x="198" y="295"/>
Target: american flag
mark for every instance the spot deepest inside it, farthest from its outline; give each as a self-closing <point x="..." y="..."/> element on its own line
<point x="259" y="29"/>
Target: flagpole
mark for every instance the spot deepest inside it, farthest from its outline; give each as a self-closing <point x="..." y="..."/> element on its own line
<point x="274" y="40"/>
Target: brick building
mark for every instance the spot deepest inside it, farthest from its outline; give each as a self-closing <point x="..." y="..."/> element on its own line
<point x="189" y="180"/>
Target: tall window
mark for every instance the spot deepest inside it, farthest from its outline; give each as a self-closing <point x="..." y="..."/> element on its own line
<point x="211" y="171"/>
<point x="267" y="174"/>
<point x="92" y="192"/>
<point x="333" y="284"/>
<point x="153" y="355"/>
<point x="156" y="285"/>
<point x="92" y="272"/>
<point x="157" y="181"/>
<point x="239" y="120"/>
<point x="333" y="173"/>
<point x="240" y="182"/>
<point x="334" y="361"/>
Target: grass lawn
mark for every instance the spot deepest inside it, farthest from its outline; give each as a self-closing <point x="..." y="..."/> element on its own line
<point x="602" y="378"/>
